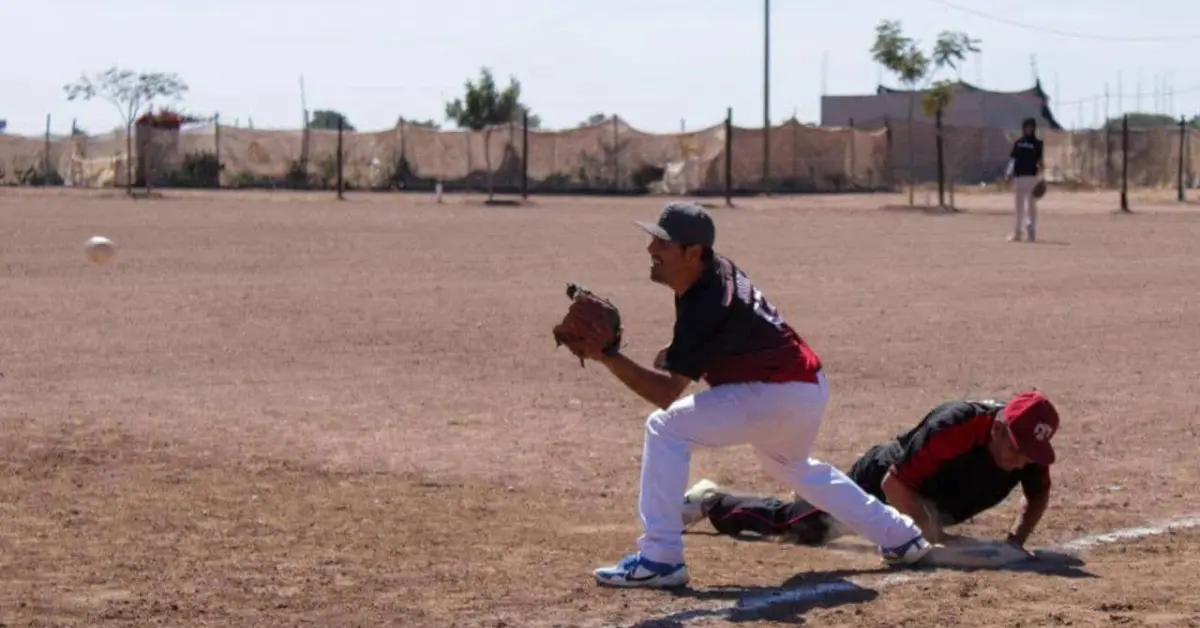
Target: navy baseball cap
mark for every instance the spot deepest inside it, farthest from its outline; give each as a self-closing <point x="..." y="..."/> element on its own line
<point x="683" y="223"/>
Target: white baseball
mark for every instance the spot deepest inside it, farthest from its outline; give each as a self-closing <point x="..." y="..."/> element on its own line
<point x="100" y="249"/>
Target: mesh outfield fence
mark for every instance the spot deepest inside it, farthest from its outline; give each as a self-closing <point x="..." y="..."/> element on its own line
<point x="608" y="156"/>
<point x="1091" y="158"/>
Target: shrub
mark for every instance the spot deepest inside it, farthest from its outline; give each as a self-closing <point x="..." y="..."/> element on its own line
<point x="200" y="169"/>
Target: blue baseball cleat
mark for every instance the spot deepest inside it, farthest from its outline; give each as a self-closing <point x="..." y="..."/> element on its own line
<point x="908" y="554"/>
<point x="635" y="571"/>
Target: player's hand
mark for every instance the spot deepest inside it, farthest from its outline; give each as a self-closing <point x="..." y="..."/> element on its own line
<point x="1013" y="541"/>
<point x="660" y="358"/>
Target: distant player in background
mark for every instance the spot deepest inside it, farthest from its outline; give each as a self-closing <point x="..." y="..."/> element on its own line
<point x="1025" y="167"/>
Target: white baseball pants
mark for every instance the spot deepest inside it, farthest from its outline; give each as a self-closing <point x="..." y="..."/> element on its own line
<point x="781" y="422"/>
<point x="1026" y="205"/>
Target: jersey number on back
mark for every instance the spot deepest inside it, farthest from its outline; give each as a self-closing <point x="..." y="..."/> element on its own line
<point x="754" y="298"/>
<point x="763" y="308"/>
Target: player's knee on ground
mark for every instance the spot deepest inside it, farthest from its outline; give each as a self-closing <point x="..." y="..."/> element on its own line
<point x="792" y="521"/>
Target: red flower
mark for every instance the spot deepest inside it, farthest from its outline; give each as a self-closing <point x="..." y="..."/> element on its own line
<point x="165" y="119"/>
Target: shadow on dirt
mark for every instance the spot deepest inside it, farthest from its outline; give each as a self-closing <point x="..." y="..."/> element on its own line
<point x="1052" y="563"/>
<point x="801" y="593"/>
<point x="784" y="604"/>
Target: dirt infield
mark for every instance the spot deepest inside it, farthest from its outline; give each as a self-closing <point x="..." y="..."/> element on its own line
<point x="277" y="410"/>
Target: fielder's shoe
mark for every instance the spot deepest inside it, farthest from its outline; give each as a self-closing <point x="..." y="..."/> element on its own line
<point x="635" y="571"/>
<point x="693" y="501"/>
<point x="908" y="554"/>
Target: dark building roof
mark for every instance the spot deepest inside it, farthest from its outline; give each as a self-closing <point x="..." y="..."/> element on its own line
<point x="972" y="107"/>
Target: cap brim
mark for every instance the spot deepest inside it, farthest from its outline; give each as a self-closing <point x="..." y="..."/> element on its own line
<point x="1041" y="452"/>
<point x="653" y="229"/>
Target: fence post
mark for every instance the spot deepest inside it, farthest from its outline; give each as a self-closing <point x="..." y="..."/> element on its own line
<point x="616" y="153"/>
<point x="795" y="158"/>
<point x="147" y="154"/>
<point x="889" y="165"/>
<point x="941" y="159"/>
<point x="525" y="154"/>
<point x="1108" y="153"/>
<point x="72" y="146"/>
<point x="853" y="178"/>
<point x="305" y="145"/>
<point x="129" y="157"/>
<point x="729" y="157"/>
<point x="1182" y="155"/>
<point x="398" y="177"/>
<point x="1125" y="163"/>
<point x="217" y="145"/>
<point x="340" y="180"/>
<point x="46" y="155"/>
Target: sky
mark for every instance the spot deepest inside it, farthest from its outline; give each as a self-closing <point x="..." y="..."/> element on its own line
<point x="659" y="64"/>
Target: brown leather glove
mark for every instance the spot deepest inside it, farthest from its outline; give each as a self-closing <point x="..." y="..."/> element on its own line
<point x="591" y="327"/>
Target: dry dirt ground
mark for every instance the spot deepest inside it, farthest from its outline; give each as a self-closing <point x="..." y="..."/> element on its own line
<point x="280" y="410"/>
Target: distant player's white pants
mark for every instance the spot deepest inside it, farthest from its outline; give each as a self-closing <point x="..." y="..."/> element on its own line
<point x="1026" y="205"/>
<point x="781" y="422"/>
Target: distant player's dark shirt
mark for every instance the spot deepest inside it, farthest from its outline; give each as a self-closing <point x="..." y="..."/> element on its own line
<point x="945" y="459"/>
<point x="1026" y="155"/>
<point x="727" y="332"/>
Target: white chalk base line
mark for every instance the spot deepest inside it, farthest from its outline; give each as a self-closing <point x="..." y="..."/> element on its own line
<point x="818" y="591"/>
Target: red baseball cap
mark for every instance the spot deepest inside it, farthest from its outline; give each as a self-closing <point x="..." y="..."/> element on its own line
<point x="1032" y="422"/>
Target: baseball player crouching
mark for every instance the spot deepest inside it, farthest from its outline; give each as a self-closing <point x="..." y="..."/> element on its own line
<point x="964" y="457"/>
<point x="766" y="389"/>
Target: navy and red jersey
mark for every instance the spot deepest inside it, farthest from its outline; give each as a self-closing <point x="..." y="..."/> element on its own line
<point x="727" y="332"/>
<point x="1026" y="155"/>
<point x="945" y="459"/>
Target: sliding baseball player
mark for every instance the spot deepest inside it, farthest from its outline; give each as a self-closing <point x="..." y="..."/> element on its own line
<point x="962" y="458"/>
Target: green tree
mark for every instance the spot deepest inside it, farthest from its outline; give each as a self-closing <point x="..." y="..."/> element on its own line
<point x="485" y="105"/>
<point x="424" y="124"/>
<point x="328" y="119"/>
<point x="535" y="121"/>
<point x="902" y="56"/>
<point x="131" y="93"/>
<point x="594" y="119"/>
<point x="3" y="124"/>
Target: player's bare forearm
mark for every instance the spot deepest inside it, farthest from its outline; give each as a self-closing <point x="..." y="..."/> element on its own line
<point x="1031" y="515"/>
<point x="907" y="501"/>
<point x="660" y="389"/>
